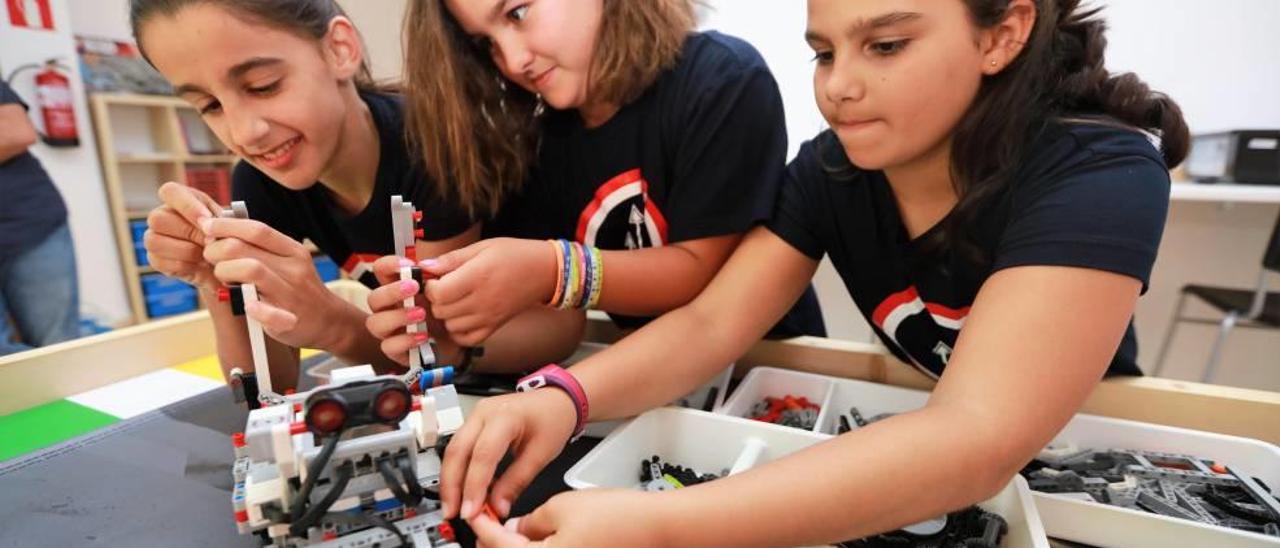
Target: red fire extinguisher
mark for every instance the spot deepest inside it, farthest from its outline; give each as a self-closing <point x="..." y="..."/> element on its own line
<point x="53" y="93"/>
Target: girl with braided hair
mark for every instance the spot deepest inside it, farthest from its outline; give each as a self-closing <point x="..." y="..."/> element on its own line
<point x="993" y="199"/>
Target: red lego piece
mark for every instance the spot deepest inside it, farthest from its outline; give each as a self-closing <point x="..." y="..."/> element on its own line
<point x="446" y="532"/>
<point x="417" y="216"/>
<point x="296" y="428"/>
<point x="237" y="439"/>
<point x="242" y="516"/>
<point x="224" y="294"/>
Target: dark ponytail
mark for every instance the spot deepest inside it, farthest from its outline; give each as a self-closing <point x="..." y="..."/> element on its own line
<point x="306" y="18"/>
<point x="1059" y="74"/>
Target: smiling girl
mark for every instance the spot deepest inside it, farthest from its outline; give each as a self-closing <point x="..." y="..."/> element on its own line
<point x="653" y="149"/>
<point x="284" y="85"/>
<point x="992" y="198"/>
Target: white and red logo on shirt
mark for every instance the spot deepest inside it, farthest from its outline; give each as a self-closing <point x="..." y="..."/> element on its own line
<point x="359" y="266"/>
<point x="899" y="307"/>
<point x="621" y="216"/>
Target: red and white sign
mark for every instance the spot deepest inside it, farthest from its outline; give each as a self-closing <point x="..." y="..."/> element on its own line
<point x="31" y="14"/>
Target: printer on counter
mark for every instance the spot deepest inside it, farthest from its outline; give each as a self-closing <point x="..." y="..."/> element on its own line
<point x="1244" y="156"/>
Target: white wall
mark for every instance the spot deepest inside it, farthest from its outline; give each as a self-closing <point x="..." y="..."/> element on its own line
<point x="75" y="171"/>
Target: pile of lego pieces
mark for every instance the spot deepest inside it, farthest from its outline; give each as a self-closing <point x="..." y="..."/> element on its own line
<point x="1172" y="485"/>
<point x="972" y="527"/>
<point x="787" y="411"/>
<point x="854" y="419"/>
<point x="656" y="475"/>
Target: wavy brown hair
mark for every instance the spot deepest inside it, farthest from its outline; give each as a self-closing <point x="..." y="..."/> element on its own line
<point x="476" y="131"/>
<point x="305" y="18"/>
<point x="1059" y="74"/>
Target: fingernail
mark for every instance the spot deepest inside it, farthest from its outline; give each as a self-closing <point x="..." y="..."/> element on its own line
<point x="421" y="338"/>
<point x="467" y="506"/>
<point x="503" y="507"/>
<point x="405" y="262"/>
<point x="417" y="314"/>
<point x="512" y="525"/>
<point x="206" y="225"/>
<point x="408" y="287"/>
<point x="429" y="263"/>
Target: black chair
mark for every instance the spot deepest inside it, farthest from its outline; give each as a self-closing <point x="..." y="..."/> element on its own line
<point x="1256" y="308"/>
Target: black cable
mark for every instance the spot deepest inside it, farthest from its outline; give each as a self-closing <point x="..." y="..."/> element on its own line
<point x="313" y="473"/>
<point x="299" y="527"/>
<point x="410" y="479"/>
<point x="388" y="476"/>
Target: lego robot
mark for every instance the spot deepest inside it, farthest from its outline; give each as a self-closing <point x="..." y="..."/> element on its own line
<point x="354" y="463"/>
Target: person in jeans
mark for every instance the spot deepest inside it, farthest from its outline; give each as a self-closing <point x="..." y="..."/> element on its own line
<point x="37" y="260"/>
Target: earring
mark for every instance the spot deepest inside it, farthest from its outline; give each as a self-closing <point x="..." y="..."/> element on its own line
<point x="993" y="63"/>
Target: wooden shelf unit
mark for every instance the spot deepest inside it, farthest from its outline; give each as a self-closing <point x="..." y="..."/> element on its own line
<point x="168" y="156"/>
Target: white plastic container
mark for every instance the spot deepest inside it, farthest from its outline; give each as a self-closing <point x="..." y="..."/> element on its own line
<point x="712" y="443"/>
<point x="706" y="442"/>
<point x="1104" y="525"/>
<point x="769" y="382"/>
<point x="870" y="398"/>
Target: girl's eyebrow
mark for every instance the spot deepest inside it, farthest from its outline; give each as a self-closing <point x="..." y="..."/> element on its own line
<point x="865" y="25"/>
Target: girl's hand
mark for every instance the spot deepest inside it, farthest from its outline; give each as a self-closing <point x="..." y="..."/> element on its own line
<point x="596" y="517"/>
<point x="389" y="317"/>
<point x="295" y="307"/>
<point x="534" y="425"/>
<point x="174" y="241"/>
<point x="483" y="285"/>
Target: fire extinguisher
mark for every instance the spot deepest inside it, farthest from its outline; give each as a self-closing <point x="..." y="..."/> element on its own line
<point x="53" y="93"/>
<point x="53" y="97"/>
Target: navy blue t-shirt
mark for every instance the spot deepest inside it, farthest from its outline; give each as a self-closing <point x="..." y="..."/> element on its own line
<point x="1088" y="195"/>
<point x="31" y="207"/>
<point x="698" y="155"/>
<point x="355" y="241"/>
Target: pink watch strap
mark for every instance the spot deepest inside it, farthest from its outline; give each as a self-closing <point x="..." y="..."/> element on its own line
<point x="554" y="375"/>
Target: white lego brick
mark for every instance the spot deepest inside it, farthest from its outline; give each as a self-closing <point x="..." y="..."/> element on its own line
<point x="450" y="420"/>
<point x="345" y="374"/>
<point x="260" y="493"/>
<point x="278" y="530"/>
<point x="282" y="450"/>
<point x="425" y="424"/>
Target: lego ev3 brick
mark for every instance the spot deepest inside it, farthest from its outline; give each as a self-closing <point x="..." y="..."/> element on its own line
<point x="357" y="449"/>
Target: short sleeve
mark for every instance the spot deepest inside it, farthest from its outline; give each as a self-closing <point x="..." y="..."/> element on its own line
<point x="252" y="187"/>
<point x="730" y="151"/>
<point x="1108" y="213"/>
<point x="8" y="96"/>
<point x="795" y="211"/>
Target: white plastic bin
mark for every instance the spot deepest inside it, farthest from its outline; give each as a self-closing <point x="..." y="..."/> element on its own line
<point x="694" y="400"/>
<point x="870" y="398"/>
<point x="769" y="382"/>
<point x="1104" y="525"/>
<point x="711" y="443"/>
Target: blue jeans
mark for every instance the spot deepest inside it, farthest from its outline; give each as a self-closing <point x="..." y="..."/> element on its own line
<point x="38" y="289"/>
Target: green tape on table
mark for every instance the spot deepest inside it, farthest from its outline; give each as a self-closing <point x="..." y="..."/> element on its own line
<point x="45" y="425"/>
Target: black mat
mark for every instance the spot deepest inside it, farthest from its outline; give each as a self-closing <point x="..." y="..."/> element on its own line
<point x="158" y="479"/>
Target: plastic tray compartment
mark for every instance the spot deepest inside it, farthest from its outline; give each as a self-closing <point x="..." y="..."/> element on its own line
<point x="871" y="399"/>
<point x="711" y="443"/>
<point x="763" y="382"/>
<point x="1103" y="525"/>
<point x="697" y="399"/>
<point x="706" y="442"/>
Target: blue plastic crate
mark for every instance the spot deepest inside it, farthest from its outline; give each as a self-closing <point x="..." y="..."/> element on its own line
<point x="140" y="253"/>
<point x="137" y="228"/>
<point x="159" y="284"/>
<point x="173" y="302"/>
<point x="327" y="269"/>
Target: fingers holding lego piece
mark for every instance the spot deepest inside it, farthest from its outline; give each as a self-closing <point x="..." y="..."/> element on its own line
<point x="256" y="234"/>
<point x="274" y="320"/>
<point x="491" y="534"/>
<point x="193" y="205"/>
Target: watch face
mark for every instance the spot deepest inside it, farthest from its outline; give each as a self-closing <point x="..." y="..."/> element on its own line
<point x="1210" y="156"/>
<point x="928" y="527"/>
